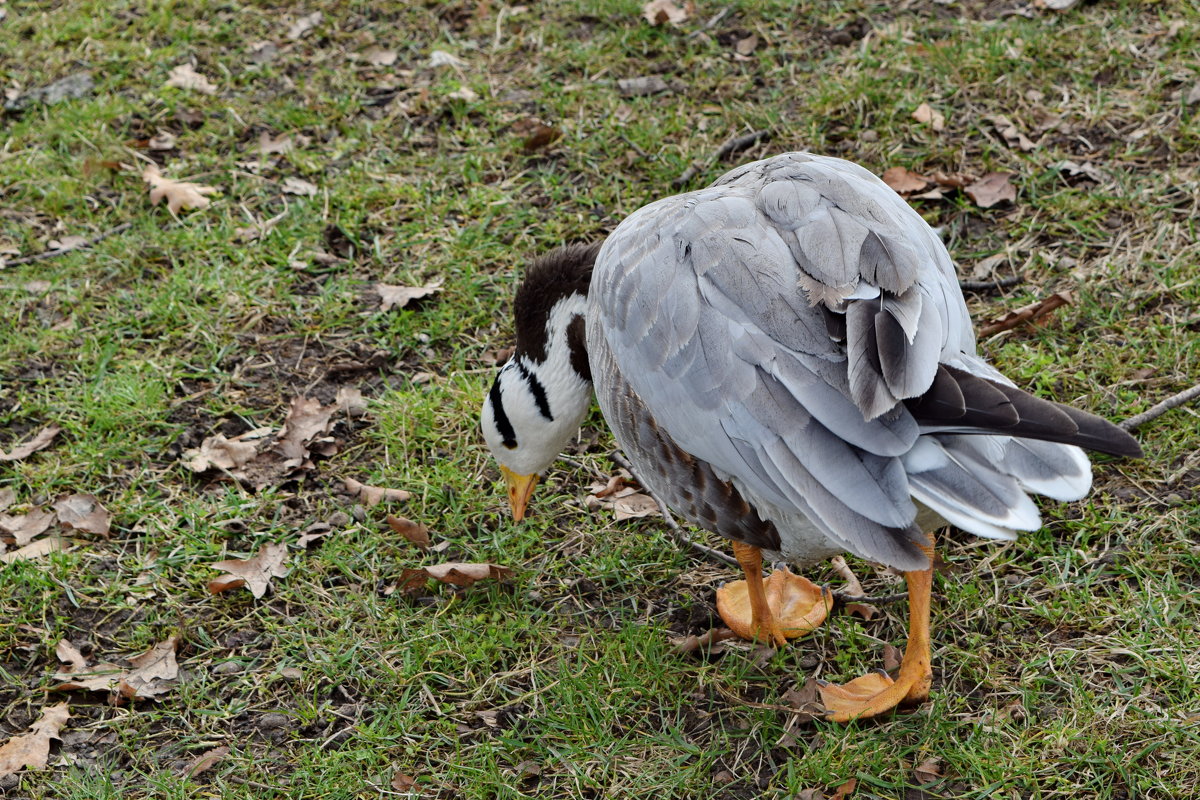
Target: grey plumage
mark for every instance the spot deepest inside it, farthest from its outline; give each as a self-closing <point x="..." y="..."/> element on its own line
<point x="797" y="330"/>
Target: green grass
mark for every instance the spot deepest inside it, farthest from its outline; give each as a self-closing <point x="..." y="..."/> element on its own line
<point x="1065" y="664"/>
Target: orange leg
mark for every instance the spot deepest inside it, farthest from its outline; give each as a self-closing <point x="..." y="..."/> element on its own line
<point x="784" y="606"/>
<point x="876" y="693"/>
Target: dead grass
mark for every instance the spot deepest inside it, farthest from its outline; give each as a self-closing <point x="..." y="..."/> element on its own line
<point x="1065" y="664"/>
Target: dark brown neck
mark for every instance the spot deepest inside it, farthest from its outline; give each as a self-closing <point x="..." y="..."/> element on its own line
<point x="562" y="272"/>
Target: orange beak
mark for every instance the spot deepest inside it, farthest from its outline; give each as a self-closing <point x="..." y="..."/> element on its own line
<point x="520" y="489"/>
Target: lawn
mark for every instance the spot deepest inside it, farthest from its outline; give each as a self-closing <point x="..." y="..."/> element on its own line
<point x="442" y="145"/>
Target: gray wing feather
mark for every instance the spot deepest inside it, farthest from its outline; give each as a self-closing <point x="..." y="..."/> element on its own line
<point x="701" y="301"/>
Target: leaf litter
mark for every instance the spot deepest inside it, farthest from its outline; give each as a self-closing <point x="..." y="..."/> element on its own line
<point x="254" y="573"/>
<point x="373" y="495"/>
<point x="40" y="441"/>
<point x="400" y="296"/>
<point x="32" y="750"/>
<point x="152" y="673"/>
<point x="180" y="195"/>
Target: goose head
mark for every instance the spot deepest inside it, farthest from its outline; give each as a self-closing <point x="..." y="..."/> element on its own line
<point x="543" y="391"/>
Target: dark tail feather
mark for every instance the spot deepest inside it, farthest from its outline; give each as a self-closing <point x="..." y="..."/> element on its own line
<point x="964" y="403"/>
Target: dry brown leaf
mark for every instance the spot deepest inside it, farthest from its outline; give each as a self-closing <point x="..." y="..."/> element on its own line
<point x="1026" y="314"/>
<point x="378" y="57"/>
<point x="928" y="771"/>
<point x="464" y="574"/>
<point x="412" y="581"/>
<point x="811" y="794"/>
<point x="403" y="783"/>
<point x="905" y="182"/>
<point x="657" y="12"/>
<point x="1087" y="169"/>
<point x="845" y="790"/>
<point x="373" y="495"/>
<point x="31" y="750"/>
<point x="634" y="506"/>
<point x="24" y="528"/>
<point x="304" y="25"/>
<point x="612" y="486"/>
<point x="414" y="532"/>
<point x="42" y="440"/>
<point x="8" y="496"/>
<point x="642" y="86"/>
<point x="313" y="533"/>
<point x="892" y="657"/>
<point x="255" y="573"/>
<point x="217" y="451"/>
<point x="206" y="761"/>
<point x="83" y="512"/>
<point x="154" y="671"/>
<point x="185" y="77"/>
<point x="268" y="145"/>
<point x="400" y="296"/>
<point x="351" y="400"/>
<point x="66" y="244"/>
<point x="806" y="701"/>
<point x="927" y="115"/>
<point x="535" y="133"/>
<point x="42" y="547"/>
<point x="991" y="189"/>
<point x="1010" y="133"/>
<point x="306" y="425"/>
<point x="299" y="187"/>
<point x="864" y="610"/>
<point x="78" y="676"/>
<point x="70" y="655"/>
<point x="163" y="140"/>
<point x="180" y="195"/>
<point x="746" y="46"/>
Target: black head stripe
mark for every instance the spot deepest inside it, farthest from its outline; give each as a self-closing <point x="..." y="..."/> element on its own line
<point x="502" y="422"/>
<point x="536" y="389"/>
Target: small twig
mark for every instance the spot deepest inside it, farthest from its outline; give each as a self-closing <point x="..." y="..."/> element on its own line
<point x="1157" y="410"/>
<point x="739" y="143"/>
<point x="690" y="644"/>
<point x="681" y="538"/>
<point x="838" y="597"/>
<point x="733" y="145"/>
<point x="984" y="286"/>
<point x="52" y="253"/>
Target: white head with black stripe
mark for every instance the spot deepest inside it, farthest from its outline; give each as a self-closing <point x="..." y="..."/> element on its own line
<point x="542" y="393"/>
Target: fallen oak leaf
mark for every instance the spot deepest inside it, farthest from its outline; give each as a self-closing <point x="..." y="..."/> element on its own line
<point x="905" y="182"/>
<point x="657" y="12"/>
<point x="78" y="676"/>
<point x="1009" y="132"/>
<point x="412" y="581"/>
<point x="180" y="195"/>
<point x="400" y="296"/>
<point x="24" y="528"/>
<point x="927" y="115"/>
<point x="8" y="496"/>
<point x="307" y="421"/>
<point x="42" y="547"/>
<point x="992" y="189"/>
<point x="154" y="671"/>
<point x="32" y="750"/>
<point x="217" y="451"/>
<point x="83" y="512"/>
<point x="845" y="790"/>
<point x="805" y="702"/>
<point x="185" y="77"/>
<point x="1026" y="314"/>
<point x="414" y="532"/>
<point x="254" y="573"/>
<point x="928" y="771"/>
<point x="206" y="761"/>
<point x="373" y="495"/>
<point x="41" y="441"/>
